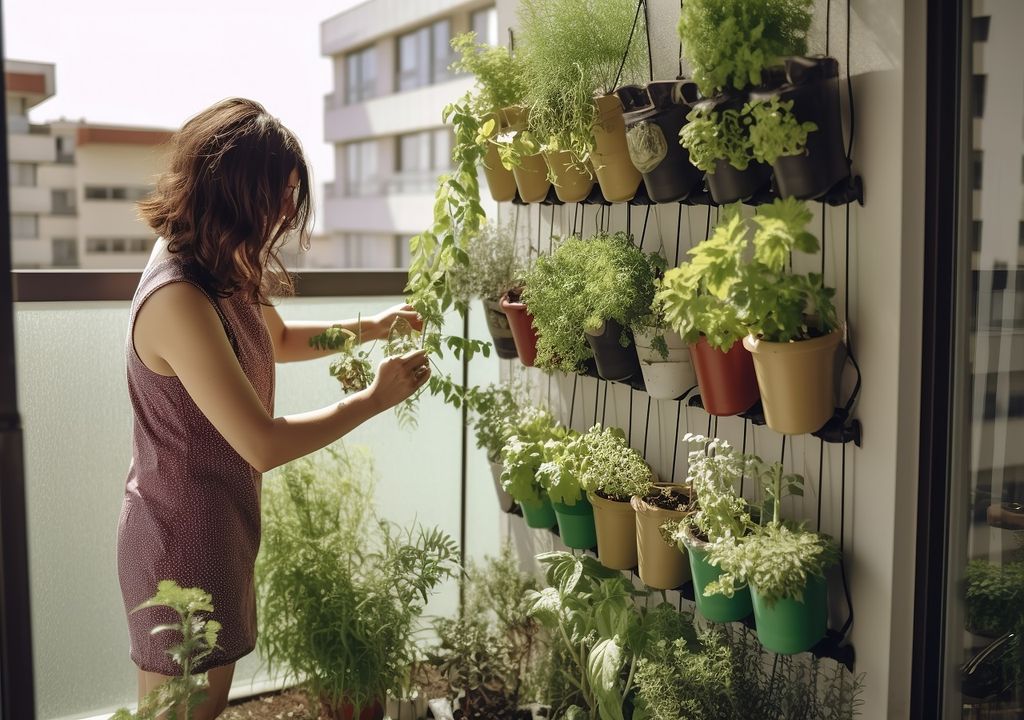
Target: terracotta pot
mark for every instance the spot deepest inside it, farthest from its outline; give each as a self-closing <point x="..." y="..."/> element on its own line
<point x="614" y="362"/>
<point x="532" y="173"/>
<point x="728" y="384"/>
<point x="616" y="532"/>
<point x="797" y="381"/>
<point x="571" y="183"/>
<point x="654" y="116"/>
<point x="501" y="333"/>
<point x="664" y="378"/>
<point x="344" y="711"/>
<point x="520" y="322"/>
<point x="505" y="501"/>
<point x="618" y="177"/>
<point x="500" y="182"/>
<point x="662" y="565"/>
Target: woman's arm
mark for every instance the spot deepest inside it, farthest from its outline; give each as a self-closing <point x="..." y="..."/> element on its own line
<point x="178" y="332"/>
<point x="291" y="338"/>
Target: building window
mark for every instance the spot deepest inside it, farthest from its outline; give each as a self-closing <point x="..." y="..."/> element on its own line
<point x="361" y="75"/>
<point x="118" y="245"/>
<point x="65" y="252"/>
<point x="485" y="24"/>
<point x="65" y="149"/>
<point x="369" y="251"/>
<point x="424" y="56"/>
<point x="99" y="192"/>
<point x="421" y="158"/>
<point x="22" y="175"/>
<point x="63" y="202"/>
<point x="976" y="236"/>
<point x="25" y="227"/>
<point x="402" y="251"/>
<point x="361" y="173"/>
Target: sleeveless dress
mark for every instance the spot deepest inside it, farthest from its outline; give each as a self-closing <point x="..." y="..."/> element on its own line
<point x="191" y="509"/>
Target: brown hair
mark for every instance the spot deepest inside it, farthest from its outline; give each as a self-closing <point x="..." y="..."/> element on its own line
<point x="224" y="204"/>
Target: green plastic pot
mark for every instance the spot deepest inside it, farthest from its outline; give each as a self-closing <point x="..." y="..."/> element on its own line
<point x="789" y="626"/>
<point x="576" y="523"/>
<point x="539" y="514"/>
<point x="717" y="608"/>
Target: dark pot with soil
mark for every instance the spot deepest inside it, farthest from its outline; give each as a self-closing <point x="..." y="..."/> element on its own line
<point x="521" y="325"/>
<point x="501" y="333"/>
<point x="729" y="184"/>
<point x="728" y="384"/>
<point x="654" y="115"/>
<point x="614" y="351"/>
<point x="812" y="85"/>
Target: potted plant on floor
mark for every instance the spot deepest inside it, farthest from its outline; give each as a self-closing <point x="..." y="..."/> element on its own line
<point x="729" y="45"/>
<point x="715" y="469"/>
<point x="662" y="565"/>
<point x="611" y="475"/>
<point x="584" y="298"/>
<point x="340" y="590"/>
<point x="499" y="84"/>
<point x="559" y="474"/>
<point x="696" y="301"/>
<point x="496" y="412"/>
<point x="575" y="54"/>
<point x="522" y="456"/>
<point x="794" y="331"/>
<point x="491" y="271"/>
<point x="784" y="566"/>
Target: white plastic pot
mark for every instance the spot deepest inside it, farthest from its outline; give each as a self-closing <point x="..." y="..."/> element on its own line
<point x="665" y="378"/>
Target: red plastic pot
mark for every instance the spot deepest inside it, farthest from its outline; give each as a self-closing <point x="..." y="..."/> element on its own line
<point x="345" y="711"/>
<point x="520" y="321"/>
<point x="728" y="385"/>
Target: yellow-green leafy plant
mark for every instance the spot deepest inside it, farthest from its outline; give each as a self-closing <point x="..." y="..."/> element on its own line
<point x="775" y="132"/>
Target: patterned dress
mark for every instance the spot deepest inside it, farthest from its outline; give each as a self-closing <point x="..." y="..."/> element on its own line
<point x="191" y="510"/>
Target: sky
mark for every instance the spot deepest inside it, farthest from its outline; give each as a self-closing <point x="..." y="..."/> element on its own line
<point x="139" y="62"/>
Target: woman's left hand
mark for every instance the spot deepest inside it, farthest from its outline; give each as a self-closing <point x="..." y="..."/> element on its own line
<point x="380" y="324"/>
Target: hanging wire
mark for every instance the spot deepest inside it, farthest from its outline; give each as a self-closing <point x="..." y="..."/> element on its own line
<point x="629" y="222"/>
<point x="707" y="227"/>
<point x="572" y="403"/>
<point x="604" y="405"/>
<point x="824" y="210"/>
<point x="849" y="79"/>
<point x="551" y="230"/>
<point x="842" y="563"/>
<point x="629" y="42"/>
<point x="743" y="451"/>
<point x="679" y="233"/>
<point x="680" y="75"/>
<point x="675" y="443"/>
<point x="629" y="435"/>
<point x="540" y="219"/>
<point x="597" y="398"/>
<point x="828" y="23"/>
<point x="821" y="475"/>
<point x="647" y="425"/>
<point x="650" y="50"/>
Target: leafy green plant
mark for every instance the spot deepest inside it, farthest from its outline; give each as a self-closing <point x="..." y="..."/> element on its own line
<point x="561" y="472"/>
<point x="526" y="450"/>
<point x="492" y="268"/>
<point x="572" y="50"/>
<point x="994" y="597"/>
<point x="775" y="558"/>
<point x="496" y="410"/>
<point x="579" y="287"/>
<point x="714" y="470"/>
<point x="499" y="75"/>
<point x="711" y="135"/>
<point x="775" y="132"/>
<point x="180" y="695"/>
<point x="722" y="295"/>
<point x="593" y="618"/>
<point x="340" y="590"/>
<point x="611" y="467"/>
<point x="730" y="42"/>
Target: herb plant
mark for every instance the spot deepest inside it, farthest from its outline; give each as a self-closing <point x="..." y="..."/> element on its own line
<point x="728" y="43"/>
<point x="341" y="591"/>
<point x="579" y="287"/>
<point x="561" y="472"/>
<point x="714" y="471"/>
<point x="180" y="695"/>
<point x="500" y="80"/>
<point x="995" y="597"/>
<point x="775" y="132"/>
<point x="611" y="467"/>
<point x="711" y="135"/>
<point x="496" y="411"/>
<point x="526" y="450"/>
<point x="492" y="268"/>
<point x="572" y="50"/>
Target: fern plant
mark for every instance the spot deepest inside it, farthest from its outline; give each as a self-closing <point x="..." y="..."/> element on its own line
<point x="340" y="590"/>
<point x="181" y="695"/>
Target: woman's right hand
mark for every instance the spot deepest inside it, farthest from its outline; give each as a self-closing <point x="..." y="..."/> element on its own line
<point x="399" y="377"/>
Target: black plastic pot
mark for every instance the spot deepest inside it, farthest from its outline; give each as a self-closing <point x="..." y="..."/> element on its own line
<point x="501" y="335"/>
<point x="614" y="362"/>
<point x="812" y="84"/>
<point x="728" y="184"/>
<point x="654" y="115"/>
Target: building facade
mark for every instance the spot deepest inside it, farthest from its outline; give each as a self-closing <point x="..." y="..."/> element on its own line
<point x="74" y="185"/>
<point x="391" y="78"/>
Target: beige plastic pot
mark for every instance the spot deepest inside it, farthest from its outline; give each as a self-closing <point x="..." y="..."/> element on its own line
<point x="662" y="565"/>
<point x="618" y="177"/>
<point x="500" y="181"/>
<point x="572" y="184"/>
<point x="616" y="532"/>
<point x="531" y="174"/>
<point x="664" y="378"/>
<point x="797" y="381"/>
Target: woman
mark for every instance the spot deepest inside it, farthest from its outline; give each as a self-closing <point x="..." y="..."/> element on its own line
<point x="202" y="342"/>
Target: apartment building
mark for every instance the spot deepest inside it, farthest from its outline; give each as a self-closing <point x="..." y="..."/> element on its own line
<point x="390" y="66"/>
<point x="74" y="185"/>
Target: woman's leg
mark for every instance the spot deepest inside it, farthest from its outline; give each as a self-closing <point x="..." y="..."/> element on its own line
<point x="216" y="700"/>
